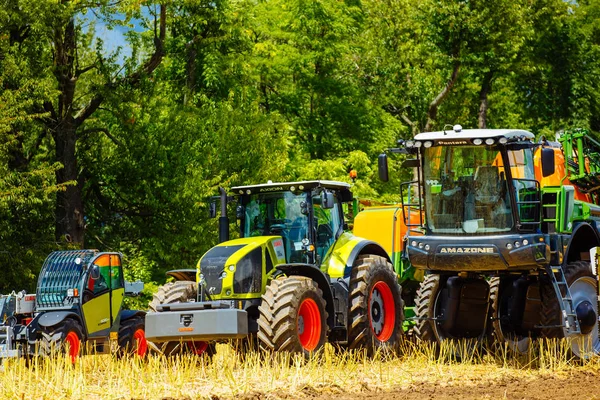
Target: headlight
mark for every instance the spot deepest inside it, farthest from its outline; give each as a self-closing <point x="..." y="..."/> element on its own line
<point x="489" y="141"/>
<point x="477" y="141"/>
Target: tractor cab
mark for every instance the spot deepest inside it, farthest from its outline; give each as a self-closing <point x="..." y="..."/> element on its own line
<point x="307" y="215"/>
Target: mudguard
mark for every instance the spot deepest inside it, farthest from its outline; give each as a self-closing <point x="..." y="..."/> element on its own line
<point x="183" y="274"/>
<point x="52" y="318"/>
<point x="128" y="314"/>
<point x="584" y="237"/>
<point x="339" y="261"/>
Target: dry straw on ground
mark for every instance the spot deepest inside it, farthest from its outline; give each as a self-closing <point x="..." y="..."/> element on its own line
<point x="229" y="375"/>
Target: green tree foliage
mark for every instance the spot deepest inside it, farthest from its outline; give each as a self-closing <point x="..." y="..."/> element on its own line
<point x="121" y="150"/>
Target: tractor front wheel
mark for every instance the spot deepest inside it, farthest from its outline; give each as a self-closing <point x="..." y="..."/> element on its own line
<point x="132" y="337"/>
<point x="64" y="338"/>
<point x="292" y="316"/>
<point x="375" y="306"/>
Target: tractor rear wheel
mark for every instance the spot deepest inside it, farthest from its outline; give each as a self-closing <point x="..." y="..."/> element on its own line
<point x="375" y="306"/>
<point x="584" y="292"/>
<point x="132" y="337"/>
<point x="180" y="292"/>
<point x="64" y="338"/>
<point x="292" y="316"/>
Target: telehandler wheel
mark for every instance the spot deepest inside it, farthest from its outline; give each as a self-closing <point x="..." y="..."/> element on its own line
<point x="499" y="336"/>
<point x="375" y="306"/>
<point x="292" y="316"/>
<point x="64" y="338"/>
<point x="584" y="292"/>
<point x="132" y="337"/>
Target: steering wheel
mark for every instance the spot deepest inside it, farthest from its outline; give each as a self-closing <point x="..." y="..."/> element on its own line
<point x="279" y="224"/>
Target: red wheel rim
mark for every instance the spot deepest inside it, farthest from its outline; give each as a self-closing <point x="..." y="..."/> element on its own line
<point x="141" y="345"/>
<point x="309" y="324"/>
<point x="382" y="311"/>
<point x="73" y="341"/>
<point x="198" y="348"/>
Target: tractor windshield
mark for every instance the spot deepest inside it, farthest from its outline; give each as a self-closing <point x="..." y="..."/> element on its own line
<point x="283" y="214"/>
<point x="466" y="190"/>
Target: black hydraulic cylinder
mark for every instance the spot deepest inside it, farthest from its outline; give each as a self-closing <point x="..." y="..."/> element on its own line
<point x="223" y="219"/>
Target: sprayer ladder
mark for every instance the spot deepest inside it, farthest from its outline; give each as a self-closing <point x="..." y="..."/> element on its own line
<point x="565" y="301"/>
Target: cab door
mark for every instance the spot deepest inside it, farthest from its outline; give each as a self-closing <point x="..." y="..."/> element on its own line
<point x="102" y="297"/>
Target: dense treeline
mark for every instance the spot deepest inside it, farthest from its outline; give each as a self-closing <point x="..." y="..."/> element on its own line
<point x="120" y="150"/>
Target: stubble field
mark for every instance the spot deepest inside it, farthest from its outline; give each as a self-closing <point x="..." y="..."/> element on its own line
<point x="418" y="372"/>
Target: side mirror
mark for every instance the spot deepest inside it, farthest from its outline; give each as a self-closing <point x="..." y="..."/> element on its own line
<point x="95" y="272"/>
<point x="382" y="165"/>
<point x="327" y="200"/>
<point x="548" y="166"/>
<point x="212" y="210"/>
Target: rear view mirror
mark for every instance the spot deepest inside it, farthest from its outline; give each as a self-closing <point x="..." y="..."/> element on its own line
<point x="382" y="165"/>
<point x="95" y="272"/>
<point x="327" y="200"/>
<point x="548" y="166"/>
<point x="212" y="210"/>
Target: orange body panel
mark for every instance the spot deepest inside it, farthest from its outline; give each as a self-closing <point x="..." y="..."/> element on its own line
<point x="559" y="177"/>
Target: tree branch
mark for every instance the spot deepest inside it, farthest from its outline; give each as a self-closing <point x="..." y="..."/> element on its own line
<point x="103" y="130"/>
<point x="133" y="79"/>
<point x="433" y="106"/>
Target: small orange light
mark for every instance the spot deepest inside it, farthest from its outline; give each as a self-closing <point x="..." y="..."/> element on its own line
<point x="188" y="329"/>
<point x="75" y="292"/>
<point x="311" y="247"/>
<point x="353" y="174"/>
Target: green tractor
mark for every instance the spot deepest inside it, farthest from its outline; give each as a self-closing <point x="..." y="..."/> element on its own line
<point x="78" y="301"/>
<point x="293" y="280"/>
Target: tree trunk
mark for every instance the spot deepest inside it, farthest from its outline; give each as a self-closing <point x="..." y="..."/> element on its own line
<point x="486" y="87"/>
<point x="69" y="203"/>
<point x="434" y="105"/>
<point x="66" y="118"/>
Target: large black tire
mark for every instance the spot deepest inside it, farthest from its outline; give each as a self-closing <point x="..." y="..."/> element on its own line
<point x="173" y="292"/>
<point x="375" y="306"/>
<point x="179" y="292"/>
<point x="63" y="338"/>
<point x="427" y="294"/>
<point x="292" y="316"/>
<point x="132" y="337"/>
<point x="513" y="343"/>
<point x="584" y="292"/>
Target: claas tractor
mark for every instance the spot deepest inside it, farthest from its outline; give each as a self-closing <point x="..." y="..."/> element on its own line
<point x="293" y="280"/>
<point x="77" y="307"/>
<point x="506" y="229"/>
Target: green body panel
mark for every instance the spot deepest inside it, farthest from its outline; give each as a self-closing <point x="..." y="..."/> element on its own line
<point x="96" y="314"/>
<point x="336" y="259"/>
<point x="271" y="246"/>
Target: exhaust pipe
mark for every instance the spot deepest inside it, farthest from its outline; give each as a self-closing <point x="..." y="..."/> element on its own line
<point x="223" y="219"/>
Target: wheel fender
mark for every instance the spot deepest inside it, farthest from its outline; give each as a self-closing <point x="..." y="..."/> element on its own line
<point x="584" y="237"/>
<point x="322" y="281"/>
<point x="183" y="274"/>
<point x="364" y="247"/>
<point x="128" y="314"/>
<point x="51" y="318"/>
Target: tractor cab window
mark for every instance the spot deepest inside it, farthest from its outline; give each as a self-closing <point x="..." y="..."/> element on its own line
<point x="328" y="222"/>
<point x="466" y="190"/>
<point x="282" y="214"/>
